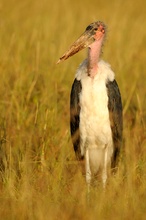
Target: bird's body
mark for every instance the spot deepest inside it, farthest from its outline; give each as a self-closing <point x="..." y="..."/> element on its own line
<point x="92" y="135"/>
<point x="95" y="107"/>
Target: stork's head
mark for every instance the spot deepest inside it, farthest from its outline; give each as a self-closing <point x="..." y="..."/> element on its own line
<point x="94" y="32"/>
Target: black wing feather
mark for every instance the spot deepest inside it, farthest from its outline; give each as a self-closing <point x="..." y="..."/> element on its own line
<point x="75" y="117"/>
<point x="116" y="119"/>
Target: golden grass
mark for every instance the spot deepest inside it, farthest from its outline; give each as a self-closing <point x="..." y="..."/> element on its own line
<point x="41" y="180"/>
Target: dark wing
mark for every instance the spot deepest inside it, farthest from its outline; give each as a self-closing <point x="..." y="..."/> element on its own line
<point x="75" y="117"/>
<point x="116" y="118"/>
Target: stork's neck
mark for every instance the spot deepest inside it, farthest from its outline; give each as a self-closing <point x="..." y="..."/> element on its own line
<point x="94" y="52"/>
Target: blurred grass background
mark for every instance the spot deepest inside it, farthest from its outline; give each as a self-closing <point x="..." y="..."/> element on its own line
<point x="39" y="178"/>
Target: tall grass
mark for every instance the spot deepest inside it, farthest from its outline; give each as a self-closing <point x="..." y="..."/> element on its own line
<point x="39" y="176"/>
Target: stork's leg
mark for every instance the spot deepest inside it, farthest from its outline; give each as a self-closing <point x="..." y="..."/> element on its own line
<point x="104" y="171"/>
<point x="88" y="171"/>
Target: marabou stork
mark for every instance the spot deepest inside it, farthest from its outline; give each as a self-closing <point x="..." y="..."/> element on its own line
<point x="95" y="106"/>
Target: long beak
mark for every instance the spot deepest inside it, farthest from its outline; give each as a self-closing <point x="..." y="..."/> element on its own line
<point x="82" y="42"/>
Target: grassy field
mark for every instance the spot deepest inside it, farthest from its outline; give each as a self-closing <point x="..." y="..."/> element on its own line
<point x="40" y="178"/>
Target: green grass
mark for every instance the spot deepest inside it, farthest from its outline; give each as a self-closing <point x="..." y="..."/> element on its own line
<point x="41" y="179"/>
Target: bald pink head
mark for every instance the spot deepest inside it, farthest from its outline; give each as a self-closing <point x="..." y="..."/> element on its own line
<point x="94" y="32"/>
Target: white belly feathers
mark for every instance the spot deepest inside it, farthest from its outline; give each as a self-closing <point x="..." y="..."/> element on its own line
<point x="95" y="129"/>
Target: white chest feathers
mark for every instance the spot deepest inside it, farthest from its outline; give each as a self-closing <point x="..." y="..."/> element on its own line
<point x="95" y="129"/>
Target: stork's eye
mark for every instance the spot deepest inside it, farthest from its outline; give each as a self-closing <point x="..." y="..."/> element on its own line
<point x="89" y="28"/>
<point x="95" y="29"/>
